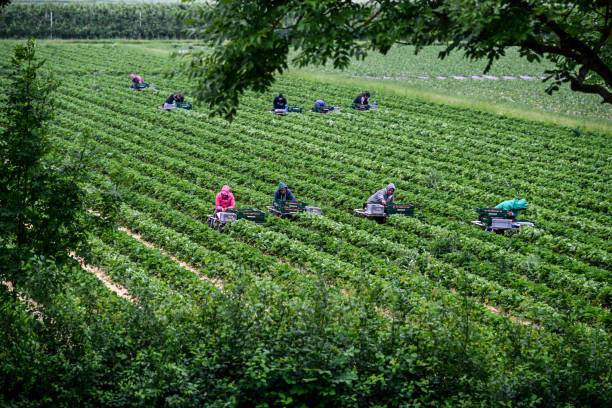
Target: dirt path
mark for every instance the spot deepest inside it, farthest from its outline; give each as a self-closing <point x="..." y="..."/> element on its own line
<point x="108" y="282"/>
<point x="32" y="305"/>
<point x="455" y="77"/>
<point x="217" y="282"/>
<point x="496" y="311"/>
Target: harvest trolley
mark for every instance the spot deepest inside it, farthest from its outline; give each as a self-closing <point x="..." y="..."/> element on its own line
<point x="180" y="105"/>
<point x="290" y="109"/>
<point x="287" y="209"/>
<point x="498" y="220"/>
<point x="359" y="107"/>
<point x="380" y="213"/>
<point x="325" y="109"/>
<point x="217" y="221"/>
<point x="139" y="87"/>
<point x="184" y="105"/>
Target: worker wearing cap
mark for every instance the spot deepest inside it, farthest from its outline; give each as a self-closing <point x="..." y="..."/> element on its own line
<point x="513" y="206"/>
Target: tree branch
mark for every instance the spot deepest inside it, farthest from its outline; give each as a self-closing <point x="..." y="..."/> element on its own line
<point x="371" y="18"/>
<point x="580" y="52"/>
<point x="579" y="86"/>
<point x="549" y="49"/>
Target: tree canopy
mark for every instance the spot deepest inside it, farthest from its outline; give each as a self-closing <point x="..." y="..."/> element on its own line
<point x="41" y="200"/>
<point x="251" y="39"/>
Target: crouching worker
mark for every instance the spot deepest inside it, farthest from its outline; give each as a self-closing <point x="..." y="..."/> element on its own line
<point x="282" y="194"/>
<point x="135" y="80"/>
<point x="171" y="101"/>
<point x="363" y="99"/>
<point x="280" y="102"/>
<point x="383" y="196"/>
<point x="513" y="206"/>
<point x="224" y="200"/>
<point x="319" y="103"/>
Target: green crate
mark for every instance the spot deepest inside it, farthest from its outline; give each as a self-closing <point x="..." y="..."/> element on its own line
<point x="184" y="105"/>
<point x="295" y="109"/>
<point x="291" y="207"/>
<point x="141" y="86"/>
<point x="485" y="215"/>
<point x="251" y="214"/>
<point x="492" y="212"/>
<point x="323" y="109"/>
<point x="406" y="210"/>
<point x="360" y="107"/>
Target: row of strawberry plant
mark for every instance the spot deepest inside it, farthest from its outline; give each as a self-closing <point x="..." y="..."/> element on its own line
<point x="146" y="187"/>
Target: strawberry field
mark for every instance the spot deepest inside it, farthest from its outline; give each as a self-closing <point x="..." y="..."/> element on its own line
<point x="333" y="309"/>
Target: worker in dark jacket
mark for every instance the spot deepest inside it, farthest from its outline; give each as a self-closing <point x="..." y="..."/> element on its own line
<point x="280" y="102"/>
<point x="363" y="99"/>
<point x="171" y="101"/>
<point x="283" y="194"/>
<point x="513" y="206"/>
<point x="384" y="196"/>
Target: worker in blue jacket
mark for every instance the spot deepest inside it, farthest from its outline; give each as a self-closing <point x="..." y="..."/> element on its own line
<point x="319" y="103"/>
<point x="282" y="194"/>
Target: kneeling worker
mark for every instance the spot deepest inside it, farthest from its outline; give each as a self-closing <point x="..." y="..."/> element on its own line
<point x="136" y="79"/>
<point x="171" y="101"/>
<point x="383" y="196"/>
<point x="282" y="194"/>
<point x="319" y="103"/>
<point x="363" y="99"/>
<point x="280" y="102"/>
<point x="513" y="206"/>
<point x="224" y="200"/>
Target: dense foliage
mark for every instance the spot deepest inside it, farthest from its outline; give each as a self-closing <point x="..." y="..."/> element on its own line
<point x="40" y="195"/>
<point x="91" y="21"/>
<point x="319" y="311"/>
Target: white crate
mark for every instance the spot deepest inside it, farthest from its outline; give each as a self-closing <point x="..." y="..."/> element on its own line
<point x="501" y="223"/>
<point x="375" y="209"/>
<point x="314" y="210"/>
<point x="226" y="216"/>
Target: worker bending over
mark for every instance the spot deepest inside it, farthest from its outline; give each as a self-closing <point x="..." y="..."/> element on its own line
<point x="513" y="206"/>
<point x="363" y="99"/>
<point x="280" y="102"/>
<point x="136" y="80"/>
<point x="319" y="103"/>
<point x="171" y="101"/>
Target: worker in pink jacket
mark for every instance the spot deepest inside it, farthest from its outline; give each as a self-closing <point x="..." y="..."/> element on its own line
<point x="224" y="199"/>
<point x="136" y="79"/>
